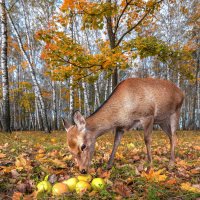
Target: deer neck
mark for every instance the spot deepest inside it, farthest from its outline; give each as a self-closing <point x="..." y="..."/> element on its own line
<point x="99" y="122"/>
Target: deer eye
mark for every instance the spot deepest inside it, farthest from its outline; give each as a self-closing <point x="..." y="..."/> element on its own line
<point x="83" y="147"/>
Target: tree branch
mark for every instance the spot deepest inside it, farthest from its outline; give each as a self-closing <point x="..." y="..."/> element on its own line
<point x="138" y="23"/>
<point x="125" y="7"/>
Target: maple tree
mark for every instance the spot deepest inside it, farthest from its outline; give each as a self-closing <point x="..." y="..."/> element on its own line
<point x="65" y="57"/>
<point x="73" y="58"/>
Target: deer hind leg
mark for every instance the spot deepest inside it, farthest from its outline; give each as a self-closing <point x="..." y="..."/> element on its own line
<point x="148" y="127"/>
<point x="169" y="127"/>
<point x="118" y="136"/>
<point x="174" y="120"/>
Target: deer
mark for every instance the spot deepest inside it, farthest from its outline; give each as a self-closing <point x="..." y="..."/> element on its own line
<point x="134" y="102"/>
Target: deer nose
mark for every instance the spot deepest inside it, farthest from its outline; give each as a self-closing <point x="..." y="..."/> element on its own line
<point x="83" y="171"/>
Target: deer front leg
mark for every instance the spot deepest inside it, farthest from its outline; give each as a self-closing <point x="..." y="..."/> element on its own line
<point x="118" y="136"/>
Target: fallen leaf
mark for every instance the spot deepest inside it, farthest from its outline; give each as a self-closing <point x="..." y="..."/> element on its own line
<point x="17" y="196"/>
<point x="41" y="151"/>
<point x="187" y="186"/>
<point x="32" y="196"/>
<point x="196" y="148"/>
<point x="136" y="158"/>
<point x="105" y="174"/>
<point x="59" y="163"/>
<point x="23" y="163"/>
<point x="53" y="140"/>
<point x="5" y="145"/>
<point x="2" y="155"/>
<point x="195" y="171"/>
<point x="93" y="193"/>
<point x="130" y="145"/>
<point x="182" y="163"/>
<point x="21" y="187"/>
<point x="154" y="175"/>
<point x="122" y="189"/>
<point x="65" y="158"/>
<point x="8" y="169"/>
<point x="14" y="173"/>
<point x="171" y="182"/>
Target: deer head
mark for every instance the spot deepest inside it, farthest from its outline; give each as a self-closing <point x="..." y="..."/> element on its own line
<point x="80" y="142"/>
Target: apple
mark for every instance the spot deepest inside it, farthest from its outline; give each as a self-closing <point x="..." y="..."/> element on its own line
<point x="71" y="183"/>
<point x="98" y="184"/>
<point x="82" y="186"/>
<point x="59" y="189"/>
<point x="44" y="186"/>
<point x="86" y="177"/>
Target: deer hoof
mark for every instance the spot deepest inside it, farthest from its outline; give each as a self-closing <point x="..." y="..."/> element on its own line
<point x="109" y="167"/>
<point x="171" y="165"/>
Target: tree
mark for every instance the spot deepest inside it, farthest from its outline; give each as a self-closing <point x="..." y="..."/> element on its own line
<point x="120" y="18"/>
<point x="4" y="70"/>
<point x="30" y="62"/>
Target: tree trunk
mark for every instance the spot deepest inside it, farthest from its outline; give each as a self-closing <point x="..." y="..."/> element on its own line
<point x="86" y="102"/>
<point x="54" y="116"/>
<point x="71" y="99"/>
<point x="194" y="114"/>
<point x="79" y="100"/>
<point x="112" y="40"/>
<point x="97" y="96"/>
<point x="4" y="70"/>
<point x="36" y="86"/>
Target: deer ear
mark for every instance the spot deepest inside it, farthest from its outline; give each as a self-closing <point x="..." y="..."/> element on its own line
<point x="66" y="124"/>
<point x="79" y="121"/>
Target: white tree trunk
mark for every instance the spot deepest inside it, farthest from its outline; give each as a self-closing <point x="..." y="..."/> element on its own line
<point x="106" y="90"/>
<point x="86" y="102"/>
<point x="71" y="99"/>
<point x="4" y="70"/>
<point x="97" y="98"/>
<point x="54" y="102"/>
<point x="79" y="100"/>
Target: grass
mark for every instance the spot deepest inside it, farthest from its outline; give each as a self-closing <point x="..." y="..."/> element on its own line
<point x="48" y="154"/>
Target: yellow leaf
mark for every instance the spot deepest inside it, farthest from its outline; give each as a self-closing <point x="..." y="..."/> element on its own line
<point x="23" y="163"/>
<point x="154" y="175"/>
<point x="53" y="140"/>
<point x="182" y="163"/>
<point x="67" y="157"/>
<point x="59" y="163"/>
<point x="187" y="186"/>
<point x="41" y="151"/>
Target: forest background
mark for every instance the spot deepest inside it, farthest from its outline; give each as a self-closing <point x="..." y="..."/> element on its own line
<point x="61" y="56"/>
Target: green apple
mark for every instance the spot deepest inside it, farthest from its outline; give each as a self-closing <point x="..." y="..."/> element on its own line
<point x="71" y="183"/>
<point x="59" y="189"/>
<point x="86" y="177"/>
<point x="98" y="184"/>
<point x="44" y="186"/>
<point x="82" y="186"/>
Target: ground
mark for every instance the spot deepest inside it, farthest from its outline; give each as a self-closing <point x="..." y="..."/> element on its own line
<point x="27" y="157"/>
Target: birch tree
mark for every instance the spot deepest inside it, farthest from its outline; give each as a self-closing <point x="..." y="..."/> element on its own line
<point x="4" y="70"/>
